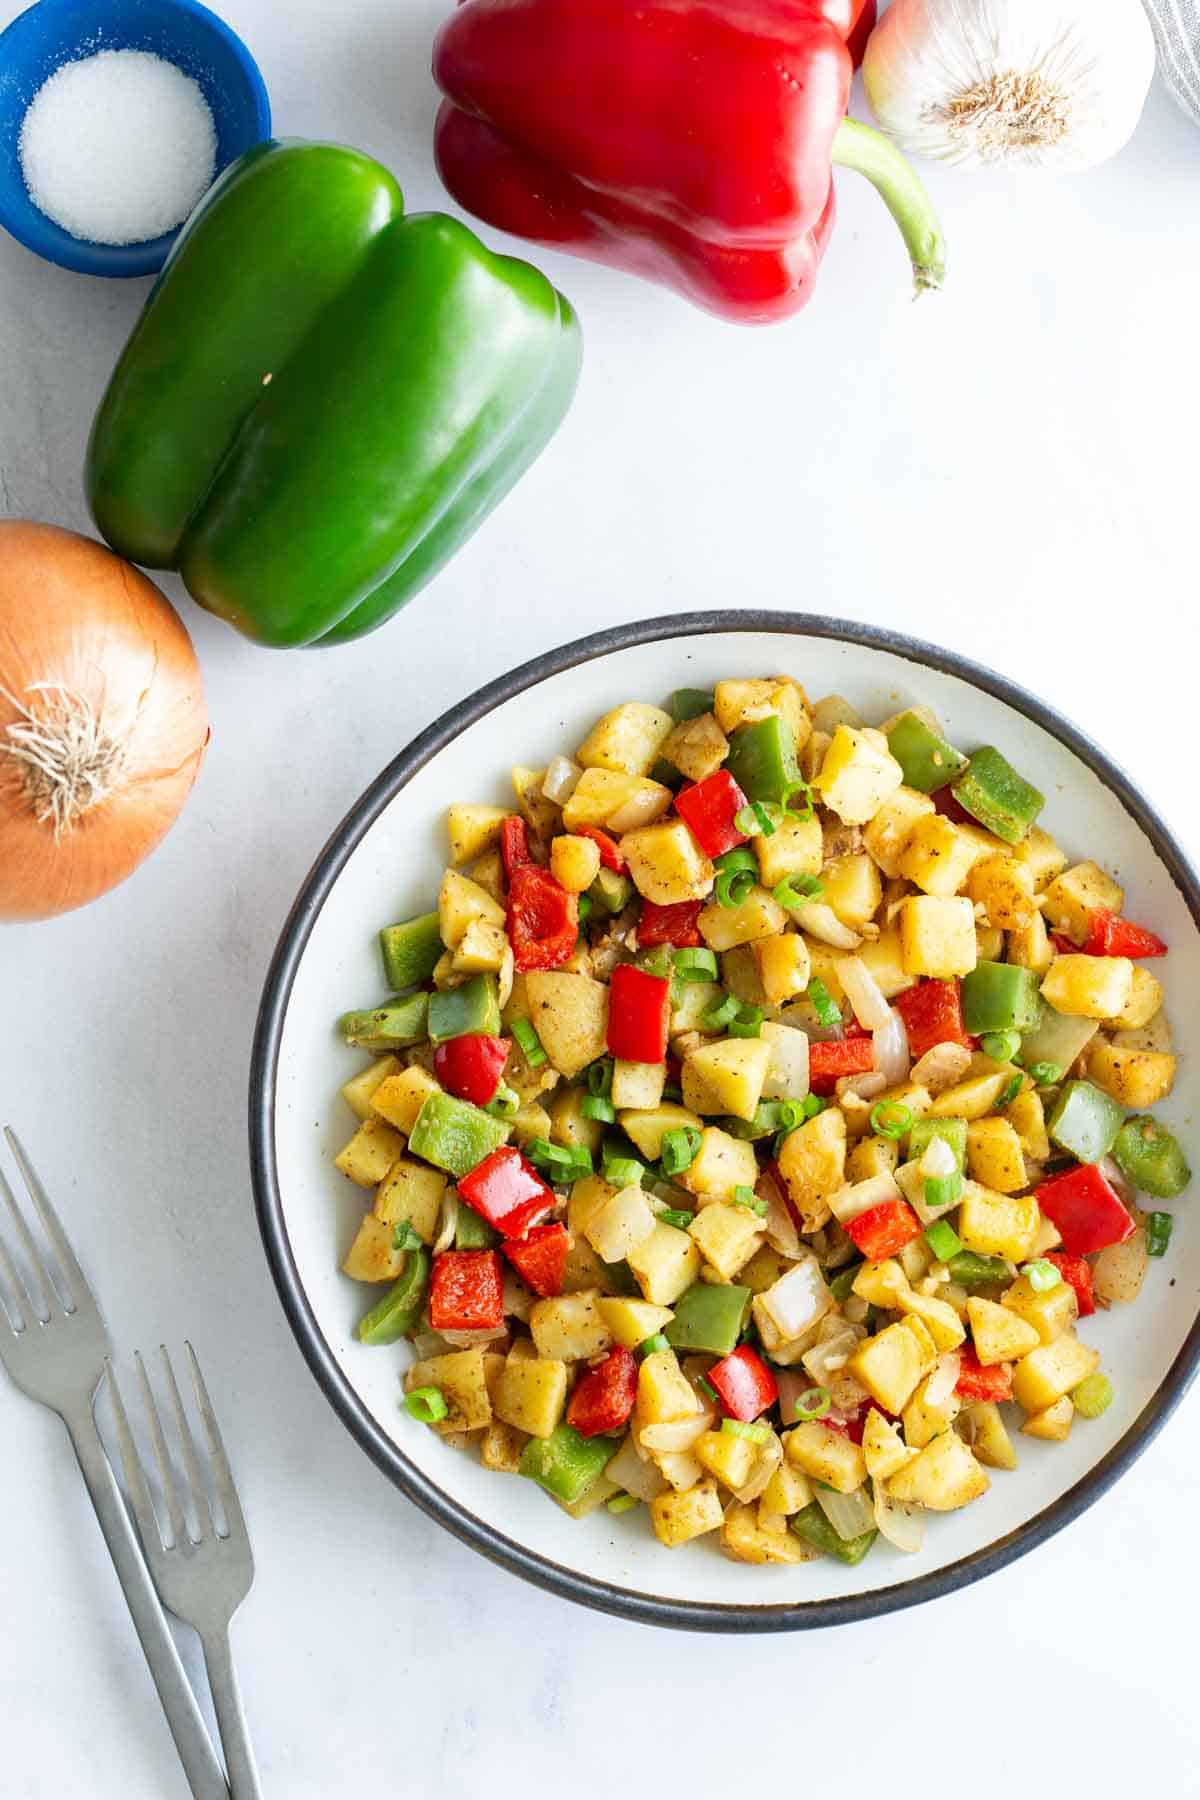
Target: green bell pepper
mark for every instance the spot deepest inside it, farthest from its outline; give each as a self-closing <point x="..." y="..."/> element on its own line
<point x="971" y="1270"/>
<point x="410" y="951"/>
<point x="1149" y="1156"/>
<point x="390" y="1027"/>
<point x="396" y="1314"/>
<point x="992" y="792"/>
<point x="323" y="397"/>
<point x="565" y="1463"/>
<point x="708" y="1317"/>
<point x="454" y="1135"/>
<point x="470" y="1010"/>
<point x="952" y="1132"/>
<point x="1001" y="997"/>
<point x="1084" y="1122"/>
<point x="928" y="761"/>
<point x="812" y="1525"/>
<point x="690" y="703"/>
<point x="762" y="758"/>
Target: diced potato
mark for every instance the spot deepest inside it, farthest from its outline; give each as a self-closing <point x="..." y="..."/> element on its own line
<point x="460" y="902"/>
<point x="1048" y="1237"/>
<point x="472" y="830"/>
<point x="795" y="848"/>
<point x="461" y="1376"/>
<point x="621" y="1224"/>
<point x="1145" y="998"/>
<point x="570" y="1328"/>
<point x="362" y="1088"/>
<point x="998" y="1333"/>
<point x="994" y="1155"/>
<point x="1030" y="947"/>
<point x="972" y="1098"/>
<point x="628" y="739"/>
<point x="796" y="1302"/>
<point x="1137" y="1078"/>
<point x="1027" y="1116"/>
<point x="569" y="1012"/>
<point x="371" y="1257"/>
<point x="924" y="1420"/>
<point x="746" y="1538"/>
<point x="648" y="1128"/>
<point x="413" y="1191"/>
<point x="729" y="1458"/>
<point x="500" y="1447"/>
<point x="1074" y="896"/>
<point x="1005" y="889"/>
<point x="445" y="975"/>
<point x="678" y="1467"/>
<point x="531" y="1393"/>
<point x="883" y="1284"/>
<point x="884" y="1450"/>
<point x="568" y="1126"/>
<point x="891" y="1364"/>
<point x="986" y="1433"/>
<point x="851" y="886"/>
<point x="937" y="1315"/>
<point x="883" y="958"/>
<point x="723" y="1165"/>
<point x="744" y="702"/>
<point x="788" y="1491"/>
<point x="487" y="872"/>
<point x="664" y="1392"/>
<point x="1053" y="1422"/>
<point x="826" y="1455"/>
<point x="1039" y="852"/>
<point x="588" y="1196"/>
<point x="1154" y="1036"/>
<point x="370" y="1153"/>
<point x="1051" y="1371"/>
<point x="937" y="935"/>
<point x="759" y="916"/>
<point x="696" y="747"/>
<point x="637" y="1086"/>
<point x="583" y="1269"/>
<point x="1091" y="987"/>
<point x="1049" y="1313"/>
<point x="631" y="1322"/>
<point x="541" y="814"/>
<point x="942" y="1477"/>
<point x="937" y="857"/>
<point x="858" y="774"/>
<point x="888" y="832"/>
<point x="726" y="1077"/>
<point x="812" y="1163"/>
<point x="678" y="1518"/>
<point x="763" y="1270"/>
<point x="870" y="1157"/>
<point x="994" y="1224"/>
<point x="784" y="966"/>
<point x="666" y="864"/>
<point x="664" y="1264"/>
<point x="690" y="1000"/>
<point x="727" y="1237"/>
<point x="483" y="950"/>
<point x="574" y="862"/>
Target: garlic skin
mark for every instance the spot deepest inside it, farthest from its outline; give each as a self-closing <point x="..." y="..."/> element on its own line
<point x="1047" y="84"/>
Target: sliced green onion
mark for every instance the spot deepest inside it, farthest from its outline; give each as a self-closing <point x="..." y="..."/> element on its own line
<point x="695" y="964"/>
<point x="891" y="1120"/>
<point x="1045" y="1074"/>
<point x="746" y="1196"/>
<point x="657" y="961"/>
<point x="672" y="1215"/>
<point x="842" y="1284"/>
<point x="426" y="1404"/>
<point x="758" y="1434"/>
<point x="1093" y="1396"/>
<point x="734" y="887"/>
<point x="505" y="1104"/>
<point x="561" y="1162"/>
<point x="680" y="1148"/>
<point x="599" y="1077"/>
<point x="622" y="1503"/>
<point x="405" y="1237"/>
<point x="758" y="819"/>
<point x="586" y="905"/>
<point x="795" y="891"/>
<point x="813" y="1104"/>
<point x="805" y="810"/>
<point x="708" y="1390"/>
<point x="674" y="1092"/>
<point x="943" y="1240"/>
<point x="1001" y="1046"/>
<point x="622" y="1171"/>
<point x="1011" y="1091"/>
<point x="747" y="1024"/>
<point x="717" y="1016"/>
<point x="1159" y="1226"/>
<point x="943" y="1190"/>
<point x="1041" y="1275"/>
<point x="651" y="1344"/>
<point x="814" y="1403"/>
<point x="594" y="1106"/>
<point x="736" y="862"/>
<point x="823" y="1003"/>
<point x="528" y="1042"/>
<point x="793" y="1113"/>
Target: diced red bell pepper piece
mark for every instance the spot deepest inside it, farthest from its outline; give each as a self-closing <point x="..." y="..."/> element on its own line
<point x="744" y="1383"/>
<point x="604" y="1397"/>
<point x="675" y="924"/>
<point x="466" y="1291"/>
<point x="932" y="1014"/>
<point x="610" y="850"/>
<point x="827" y="1063"/>
<point x="849" y="1425"/>
<point x="1086" y="1208"/>
<point x="944" y="802"/>
<point x="540" y="1259"/>
<point x="864" y="12"/>
<point x="514" y="844"/>
<point x="507" y="1191"/>
<point x="470" y="1067"/>
<point x="1077" y="1272"/>
<point x="708" y="809"/>
<point x="543" y="919"/>
<point x="1064" y="945"/>
<point x="883" y="1230"/>
<point x="975" y="1382"/>
<point x="639" y="1014"/>
<point x="1110" y="935"/>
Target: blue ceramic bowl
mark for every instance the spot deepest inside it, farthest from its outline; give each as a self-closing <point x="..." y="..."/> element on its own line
<point x="59" y="31"/>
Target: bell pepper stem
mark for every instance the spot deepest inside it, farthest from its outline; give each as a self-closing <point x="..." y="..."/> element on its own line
<point x="902" y="191"/>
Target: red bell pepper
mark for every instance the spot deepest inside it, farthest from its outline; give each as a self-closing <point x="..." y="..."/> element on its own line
<point x="827" y="1063"/>
<point x="466" y="1291"/>
<point x="864" y="13"/>
<point x="851" y="1424"/>
<point x="932" y="1014"/>
<point x="543" y="919"/>
<point x="471" y="1066"/>
<point x="1086" y="1209"/>
<point x="540" y="1259"/>
<point x="883" y="1230"/>
<point x="605" y="1396"/>
<point x="567" y="121"/>
<point x="507" y="1191"/>
<point x="1064" y="945"/>
<point x="744" y="1383"/>
<point x="610" y="850"/>
<point x="1110" y="935"/>
<point x="944" y="802"/>
<point x="639" y="1015"/>
<point x="1076" y="1271"/>
<point x="708" y="807"/>
<point x="675" y="924"/>
<point x="975" y="1382"/>
<point x="514" y="844"/>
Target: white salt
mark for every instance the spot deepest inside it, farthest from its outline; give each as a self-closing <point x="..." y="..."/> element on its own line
<point x="118" y="147"/>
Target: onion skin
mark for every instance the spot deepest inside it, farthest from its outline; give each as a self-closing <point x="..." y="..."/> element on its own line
<point x="73" y="613"/>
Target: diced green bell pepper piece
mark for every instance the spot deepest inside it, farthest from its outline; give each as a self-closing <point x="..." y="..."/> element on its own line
<point x="410" y="951"/>
<point x="621" y="1278"/>
<point x="1159" y="1226"/>
<point x="765" y="1123"/>
<point x="690" y="703"/>
<point x="992" y="792"/>
<point x="565" y="1463"/>
<point x="454" y="1135"/>
<point x="473" y="1233"/>
<point x="841" y="1285"/>
<point x="323" y="398"/>
<point x="812" y="1525"/>
<point x="970" y="1270"/>
<point x="1001" y="997"/>
<point x="951" y="1131"/>
<point x="390" y="1027"/>
<point x="708" y="1317"/>
<point x="928" y="761"/>
<point x="1084" y="1122"/>
<point x="611" y="892"/>
<point x="667" y="775"/>
<point x="1149" y="1156"/>
<point x="762" y="758"/>
<point x="469" y="1010"/>
<point x="396" y="1314"/>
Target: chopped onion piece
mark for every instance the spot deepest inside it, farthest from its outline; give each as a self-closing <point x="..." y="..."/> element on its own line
<point x="676" y="1434"/>
<point x="860" y="1087"/>
<point x="833" y="711"/>
<point x="848" y="1202"/>
<point x="1118" y="1271"/>
<point x="467" y="1340"/>
<point x="561" y="779"/>
<point x="634" y="1474"/>
<point x="1116" y="1179"/>
<point x="903" y="1526"/>
<point x="849" y="1514"/>
<point x="939" y="1160"/>
<point x="944" y="1379"/>
<point x="797" y="1300"/>
<point x="891" y="1054"/>
<point x="864" y="993"/>
<point x="941" y="1067"/>
<point x="781" y="1227"/>
<point x="838" y="1341"/>
<point x="518" y="1301"/>
<point x="449" y="1222"/>
<point x="820" y="921"/>
<point x="769" y="1457"/>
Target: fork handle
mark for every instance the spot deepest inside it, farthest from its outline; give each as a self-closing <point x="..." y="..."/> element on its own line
<point x="178" y="1702"/>
<point x="231" y="1718"/>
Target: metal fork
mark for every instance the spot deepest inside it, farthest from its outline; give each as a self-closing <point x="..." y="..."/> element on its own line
<point x="55" y="1349"/>
<point x="202" y="1577"/>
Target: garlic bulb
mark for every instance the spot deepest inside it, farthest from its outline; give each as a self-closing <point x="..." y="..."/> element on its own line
<point x="1055" y="84"/>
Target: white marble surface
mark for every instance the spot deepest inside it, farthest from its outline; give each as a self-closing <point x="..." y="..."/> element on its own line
<point x="1009" y="469"/>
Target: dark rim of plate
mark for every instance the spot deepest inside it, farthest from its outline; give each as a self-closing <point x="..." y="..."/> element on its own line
<point x="466" y="1525"/>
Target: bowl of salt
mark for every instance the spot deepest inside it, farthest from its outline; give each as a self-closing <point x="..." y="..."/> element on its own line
<point x="115" y="117"/>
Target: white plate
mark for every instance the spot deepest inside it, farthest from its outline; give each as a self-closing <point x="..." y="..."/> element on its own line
<point x="384" y="864"/>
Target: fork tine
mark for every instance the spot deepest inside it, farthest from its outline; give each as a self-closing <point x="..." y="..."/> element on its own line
<point x="74" y="1279"/>
<point x="135" y="1474"/>
<point x="223" y="1475"/>
<point x="25" y="1309"/>
<point x="165" y="1471"/>
<point x="191" y="1460"/>
<point x="29" y="1245"/>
